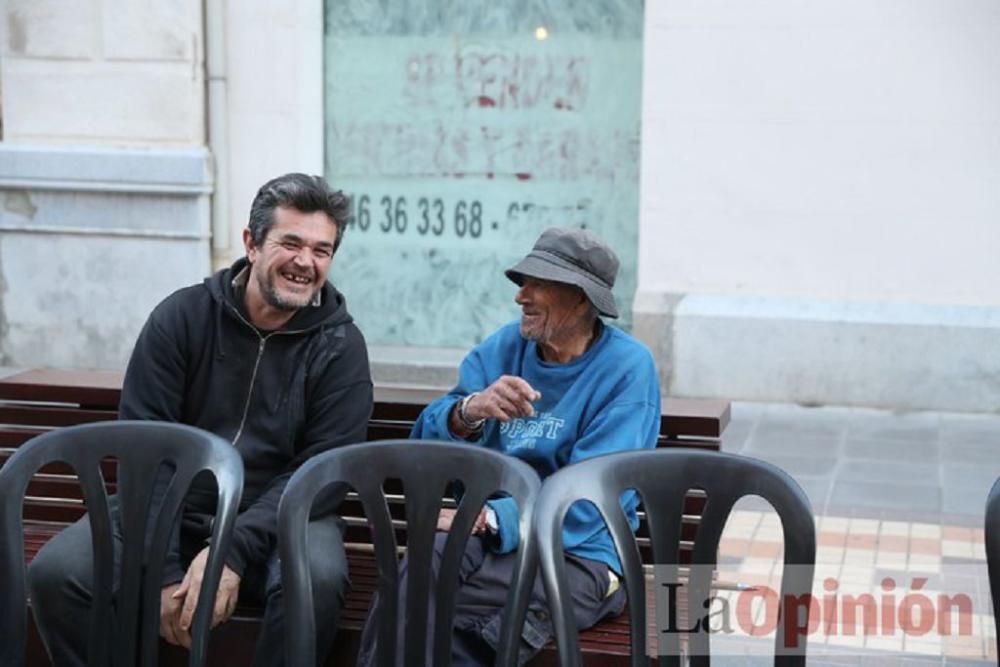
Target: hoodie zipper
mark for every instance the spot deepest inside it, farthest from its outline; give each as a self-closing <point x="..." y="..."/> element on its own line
<point x="256" y="365"/>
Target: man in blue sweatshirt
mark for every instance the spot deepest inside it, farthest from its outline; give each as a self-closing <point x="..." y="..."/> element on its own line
<point x="557" y="387"/>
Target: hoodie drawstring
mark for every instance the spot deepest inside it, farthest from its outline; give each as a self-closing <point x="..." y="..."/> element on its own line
<point x="220" y="352"/>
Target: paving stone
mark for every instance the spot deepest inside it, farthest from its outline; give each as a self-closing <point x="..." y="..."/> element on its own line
<point x="855" y="510"/>
<point x="735" y="437"/>
<point x="888" y="471"/>
<point x="822" y="660"/>
<point x="805" y="466"/>
<point x="754" y="503"/>
<point x="971" y="451"/>
<point x="981" y="476"/>
<point x="970" y="428"/>
<point x="908" y="514"/>
<point x="965" y="500"/>
<point x="880" y="659"/>
<point x="818" y="490"/>
<point x="764" y="442"/>
<point x="973" y="520"/>
<point x="965" y="486"/>
<point x="924" y="427"/>
<point x="748" y="410"/>
<point x="769" y="427"/>
<point x="882" y="495"/>
<point x="868" y="448"/>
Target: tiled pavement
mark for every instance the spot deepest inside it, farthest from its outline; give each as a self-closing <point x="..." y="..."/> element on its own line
<point x="899" y="501"/>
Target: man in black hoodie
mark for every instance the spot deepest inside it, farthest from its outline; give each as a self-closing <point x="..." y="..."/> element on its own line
<point x="263" y="354"/>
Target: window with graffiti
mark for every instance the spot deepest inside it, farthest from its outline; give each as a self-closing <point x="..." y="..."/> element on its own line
<point x="463" y="130"/>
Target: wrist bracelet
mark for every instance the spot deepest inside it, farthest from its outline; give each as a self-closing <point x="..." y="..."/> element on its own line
<point x="473" y="425"/>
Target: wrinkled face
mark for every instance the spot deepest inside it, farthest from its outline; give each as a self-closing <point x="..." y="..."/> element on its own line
<point x="290" y="266"/>
<point x="550" y="311"/>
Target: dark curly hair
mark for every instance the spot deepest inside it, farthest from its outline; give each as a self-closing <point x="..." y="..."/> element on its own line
<point x="303" y="193"/>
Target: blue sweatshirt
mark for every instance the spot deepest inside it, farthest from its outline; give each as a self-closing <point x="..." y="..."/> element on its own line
<point x="607" y="400"/>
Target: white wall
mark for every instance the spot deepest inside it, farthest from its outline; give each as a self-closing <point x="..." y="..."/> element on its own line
<point x="103" y="173"/>
<point x="830" y="149"/>
<point x="110" y="72"/>
<point x="104" y="110"/>
<point x="820" y="200"/>
<point x="275" y="97"/>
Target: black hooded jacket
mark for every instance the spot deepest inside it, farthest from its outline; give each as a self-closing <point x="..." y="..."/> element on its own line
<point x="280" y="397"/>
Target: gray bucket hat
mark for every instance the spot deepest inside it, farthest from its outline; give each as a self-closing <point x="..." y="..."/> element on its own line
<point x="574" y="257"/>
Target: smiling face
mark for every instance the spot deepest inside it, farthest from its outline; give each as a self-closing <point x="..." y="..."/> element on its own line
<point x="290" y="266"/>
<point x="552" y="313"/>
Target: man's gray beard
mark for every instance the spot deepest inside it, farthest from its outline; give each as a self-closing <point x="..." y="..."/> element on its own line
<point x="274" y="299"/>
<point x="536" y="336"/>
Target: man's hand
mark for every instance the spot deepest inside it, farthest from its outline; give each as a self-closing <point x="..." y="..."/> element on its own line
<point x="186" y="595"/>
<point x="447" y="517"/>
<point x="170" y="617"/>
<point x="507" y="398"/>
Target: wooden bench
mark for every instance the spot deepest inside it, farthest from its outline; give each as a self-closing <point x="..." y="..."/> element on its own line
<point x="32" y="402"/>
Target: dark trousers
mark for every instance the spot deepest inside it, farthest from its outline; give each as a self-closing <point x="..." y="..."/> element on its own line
<point x="60" y="581"/>
<point x="484" y="582"/>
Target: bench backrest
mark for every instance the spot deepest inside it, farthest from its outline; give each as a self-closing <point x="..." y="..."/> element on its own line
<point x="33" y="402"/>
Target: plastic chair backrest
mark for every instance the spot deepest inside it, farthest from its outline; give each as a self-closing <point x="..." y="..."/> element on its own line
<point x="663" y="478"/>
<point x="427" y="470"/>
<point x="123" y="631"/>
<point x="992" y="530"/>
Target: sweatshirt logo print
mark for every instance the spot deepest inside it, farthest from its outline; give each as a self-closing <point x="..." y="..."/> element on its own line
<point x="524" y="433"/>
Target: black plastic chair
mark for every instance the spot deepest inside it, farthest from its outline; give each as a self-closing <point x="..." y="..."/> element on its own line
<point x="662" y="478"/>
<point x="117" y="635"/>
<point x="993" y="551"/>
<point x="427" y="470"/>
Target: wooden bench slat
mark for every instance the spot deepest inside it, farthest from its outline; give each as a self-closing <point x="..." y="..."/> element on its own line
<point x="58" y="486"/>
<point x="90" y="389"/>
<point x="700" y="418"/>
<point x="706" y="418"/>
<point x="51" y="415"/>
<point x="11" y="437"/>
<point x="109" y="468"/>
